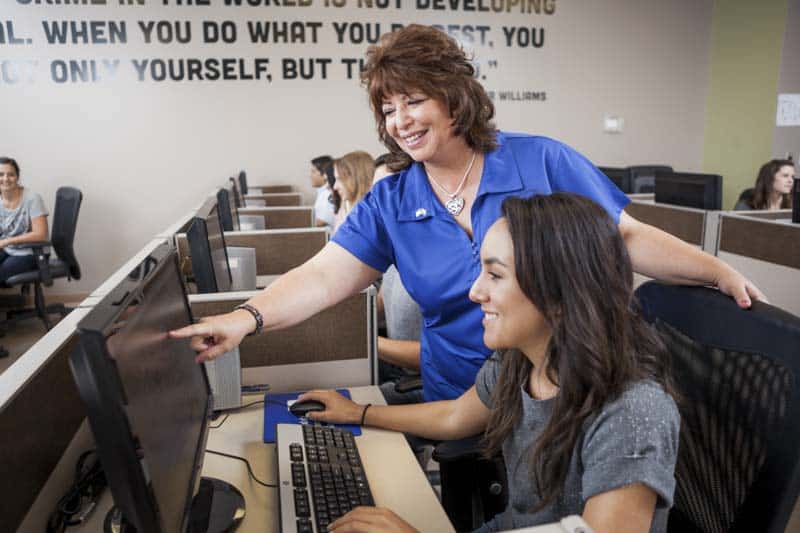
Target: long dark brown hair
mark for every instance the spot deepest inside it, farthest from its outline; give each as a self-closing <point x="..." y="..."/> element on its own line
<point x="422" y="58"/>
<point x="764" y="183"/>
<point x="572" y="263"/>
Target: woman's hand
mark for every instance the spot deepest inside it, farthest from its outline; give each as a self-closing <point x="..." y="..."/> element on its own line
<point x="369" y="519"/>
<point x="738" y="287"/>
<point x="338" y="409"/>
<point x="215" y="335"/>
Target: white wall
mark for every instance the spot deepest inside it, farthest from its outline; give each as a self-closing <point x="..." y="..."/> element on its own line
<point x="145" y="152"/>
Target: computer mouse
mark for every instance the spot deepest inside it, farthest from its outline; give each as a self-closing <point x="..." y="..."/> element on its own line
<point x="301" y="409"/>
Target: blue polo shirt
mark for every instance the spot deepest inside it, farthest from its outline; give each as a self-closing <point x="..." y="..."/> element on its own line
<point x="401" y="222"/>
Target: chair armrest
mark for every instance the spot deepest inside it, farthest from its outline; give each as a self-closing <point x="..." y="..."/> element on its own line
<point x="408" y="384"/>
<point x="42" y="259"/>
<point x="457" y="450"/>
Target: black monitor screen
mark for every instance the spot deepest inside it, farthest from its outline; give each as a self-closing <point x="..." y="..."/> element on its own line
<point x="148" y="400"/>
<point x="228" y="214"/>
<point x="207" y="247"/>
<point x="219" y="254"/>
<point x="702" y="191"/>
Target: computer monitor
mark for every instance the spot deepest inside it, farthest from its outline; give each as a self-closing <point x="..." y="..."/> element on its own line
<point x="237" y="198"/>
<point x="149" y="402"/>
<point x="689" y="189"/>
<point x="228" y="213"/>
<point x="210" y="265"/>
<point x="643" y="177"/>
<point x="243" y="182"/>
<point x="620" y="176"/>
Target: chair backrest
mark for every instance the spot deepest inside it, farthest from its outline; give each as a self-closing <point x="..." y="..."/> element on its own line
<point x="737" y="376"/>
<point x="65" y="221"/>
<point x="243" y="182"/>
<point x="747" y="195"/>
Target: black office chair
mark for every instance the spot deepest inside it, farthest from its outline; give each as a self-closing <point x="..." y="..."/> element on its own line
<point x="65" y="265"/>
<point x="473" y="488"/>
<point x="643" y="177"/>
<point x="737" y="372"/>
<point x="746" y="198"/>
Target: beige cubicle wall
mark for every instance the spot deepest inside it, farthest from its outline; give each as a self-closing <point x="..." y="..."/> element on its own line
<point x="41" y="416"/>
<point x="283" y="217"/>
<point x="765" y="251"/>
<point x="334" y="348"/>
<point x="277" y="251"/>
<point x="269" y="189"/>
<point x="273" y="199"/>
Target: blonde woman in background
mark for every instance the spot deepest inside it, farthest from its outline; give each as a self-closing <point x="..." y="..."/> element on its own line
<point x="353" y="173"/>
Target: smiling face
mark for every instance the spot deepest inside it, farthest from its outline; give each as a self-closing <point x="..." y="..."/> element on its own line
<point x="510" y="319"/>
<point x="784" y="179"/>
<point x="421" y="126"/>
<point x="9" y="179"/>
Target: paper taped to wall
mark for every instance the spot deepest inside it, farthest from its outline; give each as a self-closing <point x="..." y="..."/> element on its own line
<point x="788" y="110"/>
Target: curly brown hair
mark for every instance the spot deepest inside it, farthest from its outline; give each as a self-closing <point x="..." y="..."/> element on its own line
<point x="422" y="58"/>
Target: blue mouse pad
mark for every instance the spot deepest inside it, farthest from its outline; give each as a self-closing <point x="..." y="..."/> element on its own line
<point x="276" y="411"/>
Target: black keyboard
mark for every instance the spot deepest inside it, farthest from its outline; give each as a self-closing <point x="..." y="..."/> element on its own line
<point x="320" y="476"/>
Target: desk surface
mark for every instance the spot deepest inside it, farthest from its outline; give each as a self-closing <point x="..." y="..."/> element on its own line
<point x="394" y="475"/>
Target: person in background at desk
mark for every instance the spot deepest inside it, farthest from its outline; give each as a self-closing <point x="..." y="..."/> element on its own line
<point x="429" y="219"/>
<point x="23" y="219"/>
<point x="323" y="207"/>
<point x="577" y="393"/>
<point x="353" y="173"/>
<point x="773" y="188"/>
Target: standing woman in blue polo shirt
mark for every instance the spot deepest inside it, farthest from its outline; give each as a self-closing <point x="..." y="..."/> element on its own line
<point x="429" y="219"/>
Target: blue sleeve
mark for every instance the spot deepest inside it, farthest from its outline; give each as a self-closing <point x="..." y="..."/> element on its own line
<point x="363" y="234"/>
<point x="572" y="172"/>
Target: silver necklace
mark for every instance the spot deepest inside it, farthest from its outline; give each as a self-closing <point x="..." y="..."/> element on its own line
<point x="456" y="203"/>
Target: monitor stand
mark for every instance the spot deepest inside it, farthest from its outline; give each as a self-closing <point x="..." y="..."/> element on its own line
<point x="217" y="507"/>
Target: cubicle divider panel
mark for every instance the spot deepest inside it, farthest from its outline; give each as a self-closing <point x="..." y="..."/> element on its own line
<point x="268" y="189"/>
<point x="278" y="251"/>
<point x="685" y="223"/>
<point x="282" y="217"/>
<point x="37" y="425"/>
<point x="774" y="242"/>
<point x="776" y="214"/>
<point x="767" y="253"/>
<point x="342" y="332"/>
<point x="277" y="199"/>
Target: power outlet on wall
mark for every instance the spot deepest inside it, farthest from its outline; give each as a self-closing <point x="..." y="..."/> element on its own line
<point x="613" y="124"/>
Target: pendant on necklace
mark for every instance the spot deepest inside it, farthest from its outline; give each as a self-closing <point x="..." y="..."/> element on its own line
<point x="455" y="205"/>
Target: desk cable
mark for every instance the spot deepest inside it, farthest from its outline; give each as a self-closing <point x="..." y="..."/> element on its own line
<point x="245" y="461"/>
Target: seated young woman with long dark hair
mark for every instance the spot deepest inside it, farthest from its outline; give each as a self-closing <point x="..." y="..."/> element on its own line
<point x="577" y="395"/>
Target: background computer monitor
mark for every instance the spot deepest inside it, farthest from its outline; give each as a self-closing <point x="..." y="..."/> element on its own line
<point x="703" y="191"/>
<point x="620" y="176"/>
<point x="228" y="214"/>
<point x="237" y="197"/>
<point x="643" y="177"/>
<point x="148" y="401"/>
<point x="210" y="266"/>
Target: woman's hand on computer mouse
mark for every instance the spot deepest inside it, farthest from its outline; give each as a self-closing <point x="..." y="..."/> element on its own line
<point x="369" y="519"/>
<point x="214" y="335"/>
<point x="338" y="409"/>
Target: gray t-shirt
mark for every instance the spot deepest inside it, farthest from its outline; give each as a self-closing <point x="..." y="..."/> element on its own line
<point x="403" y="317"/>
<point x="634" y="439"/>
<point x="17" y="221"/>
